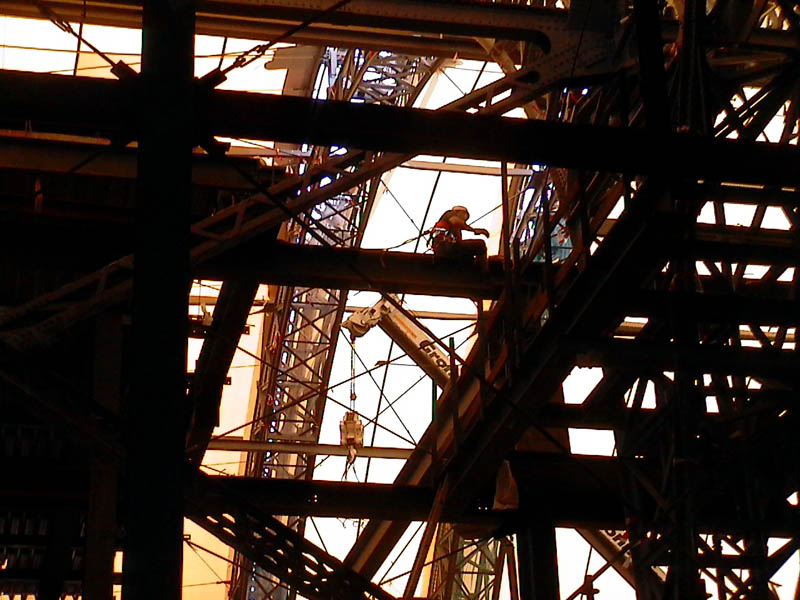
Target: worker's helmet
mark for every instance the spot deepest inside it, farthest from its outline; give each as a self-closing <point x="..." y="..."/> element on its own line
<point x="461" y="208"/>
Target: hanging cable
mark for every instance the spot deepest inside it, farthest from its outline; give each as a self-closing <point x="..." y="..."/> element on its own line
<point x="353" y="377"/>
<point x="222" y="52"/>
<point x="80" y="37"/>
<point x="351" y="427"/>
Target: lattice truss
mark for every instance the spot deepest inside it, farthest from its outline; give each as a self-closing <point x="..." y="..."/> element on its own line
<point x="470" y="570"/>
<point x="300" y="337"/>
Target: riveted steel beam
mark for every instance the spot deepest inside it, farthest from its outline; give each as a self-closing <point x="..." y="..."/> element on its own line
<point x="92" y="104"/>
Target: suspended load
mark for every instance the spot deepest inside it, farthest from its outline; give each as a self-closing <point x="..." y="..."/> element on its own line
<point x="352" y="430"/>
<point x="352" y="434"/>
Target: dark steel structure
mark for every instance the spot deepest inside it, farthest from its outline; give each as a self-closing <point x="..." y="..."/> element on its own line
<point x="649" y="125"/>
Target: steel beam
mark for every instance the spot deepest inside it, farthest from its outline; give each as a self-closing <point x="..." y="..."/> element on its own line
<point x="651" y="66"/>
<point x="354" y="269"/>
<point x="713" y="308"/>
<point x="101" y="519"/>
<point x="101" y="527"/>
<point x="653" y="358"/>
<point x="28" y="152"/>
<point x="230" y="316"/>
<point x="285" y="447"/>
<point x="388" y="23"/>
<point x="57" y="563"/>
<point x="93" y="241"/>
<point x="372" y="24"/>
<point x="568" y="479"/>
<point x="739" y="244"/>
<point x="537" y="561"/>
<point x="92" y="104"/>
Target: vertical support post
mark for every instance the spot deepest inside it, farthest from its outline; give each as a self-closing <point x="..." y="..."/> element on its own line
<point x="427" y="538"/>
<point x="101" y="521"/>
<point x="453" y="363"/>
<point x="156" y="414"/>
<point x="624" y="111"/>
<point x="101" y="526"/>
<point x="506" y="220"/>
<point x="511" y="565"/>
<point x="457" y="430"/>
<point x="796" y="379"/>
<point x="538" y="562"/>
<point x="58" y="560"/>
<point x="482" y="361"/>
<point x="583" y="217"/>
<point x="683" y="580"/>
<point x="508" y="270"/>
<point x="653" y="80"/>
<point x="547" y="231"/>
<point x="692" y="112"/>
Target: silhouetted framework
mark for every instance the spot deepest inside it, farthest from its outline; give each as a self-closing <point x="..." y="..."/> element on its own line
<point x="300" y="334"/>
<point x="624" y="249"/>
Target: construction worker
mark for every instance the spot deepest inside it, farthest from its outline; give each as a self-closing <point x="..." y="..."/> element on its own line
<point x="446" y="240"/>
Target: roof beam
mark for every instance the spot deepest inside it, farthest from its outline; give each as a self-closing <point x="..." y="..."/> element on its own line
<point x="399" y="25"/>
<point x="49" y="101"/>
<point x="410" y="25"/>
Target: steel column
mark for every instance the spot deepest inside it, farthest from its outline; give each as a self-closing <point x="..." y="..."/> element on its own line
<point x="154" y="532"/>
<point x="101" y="520"/>
<point x="101" y="525"/>
<point x="537" y="561"/>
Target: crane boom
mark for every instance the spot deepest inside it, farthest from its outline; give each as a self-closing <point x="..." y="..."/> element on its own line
<point x="408" y="335"/>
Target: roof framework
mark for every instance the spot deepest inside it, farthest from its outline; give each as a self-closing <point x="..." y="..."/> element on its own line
<point x="645" y="132"/>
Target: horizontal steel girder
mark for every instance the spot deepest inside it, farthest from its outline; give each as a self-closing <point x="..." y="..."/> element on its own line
<point x="377" y="270"/>
<point x="232" y="444"/>
<point x="410" y="25"/>
<point x="89" y="105"/>
<point x="714" y="307"/>
<point x="569" y="481"/>
<point x="644" y="357"/>
<point x="29" y="153"/>
<point x="92" y="243"/>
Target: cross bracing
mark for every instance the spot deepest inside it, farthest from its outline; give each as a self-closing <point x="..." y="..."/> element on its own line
<point x="710" y="490"/>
